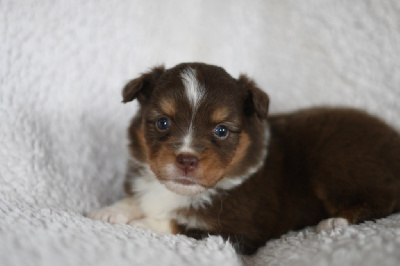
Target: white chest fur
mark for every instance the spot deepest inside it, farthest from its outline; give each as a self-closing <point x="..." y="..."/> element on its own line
<point x="158" y="202"/>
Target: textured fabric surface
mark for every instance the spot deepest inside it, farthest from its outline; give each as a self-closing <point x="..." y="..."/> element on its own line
<point x="63" y="127"/>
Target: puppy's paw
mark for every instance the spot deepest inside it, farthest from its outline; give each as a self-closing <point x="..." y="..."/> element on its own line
<point x="110" y="215"/>
<point x="331" y="223"/>
<point x="122" y="212"/>
<point x="157" y="225"/>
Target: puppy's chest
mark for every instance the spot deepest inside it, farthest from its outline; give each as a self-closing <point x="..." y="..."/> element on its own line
<point x="158" y="202"/>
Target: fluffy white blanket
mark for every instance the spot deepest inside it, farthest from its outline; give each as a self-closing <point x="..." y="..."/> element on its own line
<point x="62" y="126"/>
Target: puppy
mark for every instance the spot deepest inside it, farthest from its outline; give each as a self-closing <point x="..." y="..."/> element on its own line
<point x="207" y="159"/>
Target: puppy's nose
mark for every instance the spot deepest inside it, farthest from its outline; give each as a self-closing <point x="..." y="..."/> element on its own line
<point x="187" y="161"/>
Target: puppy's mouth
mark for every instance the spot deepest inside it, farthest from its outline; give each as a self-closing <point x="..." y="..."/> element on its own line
<point x="185" y="181"/>
<point x="184" y="186"/>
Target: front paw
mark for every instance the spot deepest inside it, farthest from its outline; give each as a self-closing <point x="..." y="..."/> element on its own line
<point x="158" y="225"/>
<point x="331" y="223"/>
<point x="122" y="212"/>
<point x="110" y="215"/>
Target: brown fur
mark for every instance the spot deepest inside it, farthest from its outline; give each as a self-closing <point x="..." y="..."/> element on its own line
<point x="241" y="150"/>
<point x="321" y="162"/>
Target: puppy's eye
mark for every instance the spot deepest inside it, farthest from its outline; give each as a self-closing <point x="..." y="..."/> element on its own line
<point x="221" y="131"/>
<point x="163" y="123"/>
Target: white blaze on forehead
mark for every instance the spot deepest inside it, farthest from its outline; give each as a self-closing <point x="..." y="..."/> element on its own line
<point x="195" y="92"/>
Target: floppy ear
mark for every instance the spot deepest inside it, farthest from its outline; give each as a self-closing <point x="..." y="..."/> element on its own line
<point x="142" y="87"/>
<point x="255" y="100"/>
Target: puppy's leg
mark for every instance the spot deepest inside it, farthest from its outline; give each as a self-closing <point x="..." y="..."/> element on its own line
<point x="376" y="207"/>
<point x="331" y="223"/>
<point x="158" y="225"/>
<point x="122" y="211"/>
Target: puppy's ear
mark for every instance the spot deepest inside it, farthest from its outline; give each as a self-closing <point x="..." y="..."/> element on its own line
<point x="255" y="100"/>
<point x="142" y="87"/>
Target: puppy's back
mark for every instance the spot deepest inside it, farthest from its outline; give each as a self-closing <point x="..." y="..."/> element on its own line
<point x="349" y="157"/>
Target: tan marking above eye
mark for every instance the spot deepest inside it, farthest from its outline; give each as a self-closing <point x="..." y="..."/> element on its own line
<point x="220" y="115"/>
<point x="168" y="106"/>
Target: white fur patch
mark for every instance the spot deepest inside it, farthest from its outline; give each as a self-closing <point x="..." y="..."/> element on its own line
<point x="331" y="223"/>
<point x="159" y="202"/>
<point x="195" y="93"/>
<point x="194" y="90"/>
<point x="187" y="141"/>
<point x="193" y="222"/>
<point x="229" y="183"/>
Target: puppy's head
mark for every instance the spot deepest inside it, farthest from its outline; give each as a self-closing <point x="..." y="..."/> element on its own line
<point x="197" y="127"/>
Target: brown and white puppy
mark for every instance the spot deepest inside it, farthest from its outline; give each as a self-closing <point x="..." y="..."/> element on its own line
<point x="206" y="159"/>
